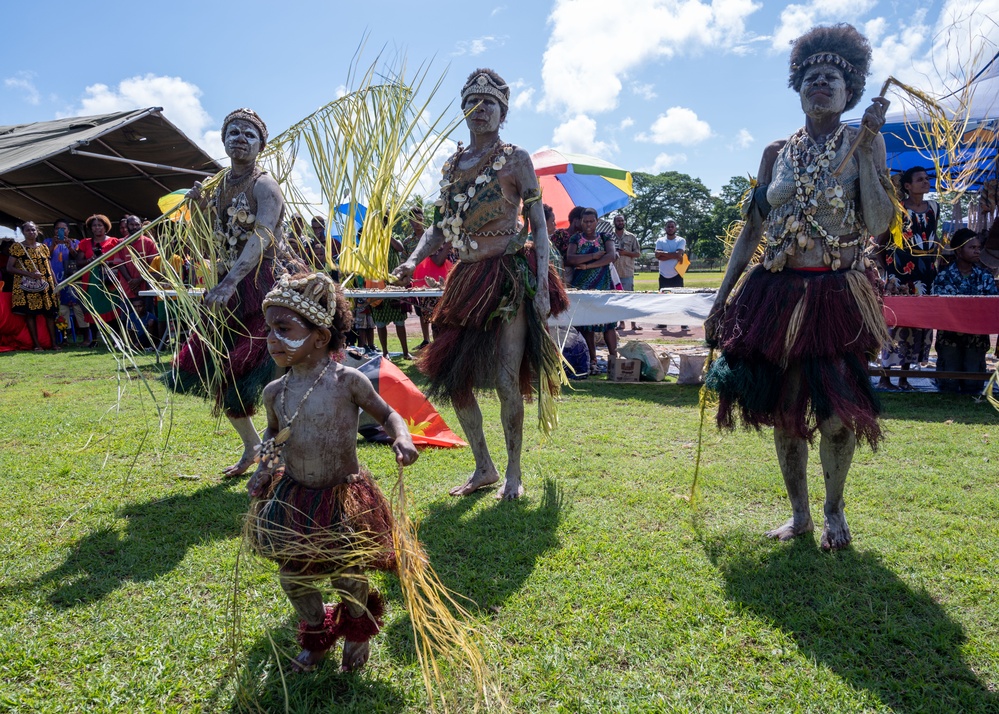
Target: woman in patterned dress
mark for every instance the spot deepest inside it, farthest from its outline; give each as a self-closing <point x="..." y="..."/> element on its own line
<point x="30" y="259"/>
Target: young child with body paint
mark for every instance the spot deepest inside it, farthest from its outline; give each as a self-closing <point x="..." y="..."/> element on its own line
<point x="315" y="511"/>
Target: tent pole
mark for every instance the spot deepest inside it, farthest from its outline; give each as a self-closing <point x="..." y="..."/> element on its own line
<point x="11" y="187"/>
<point x="138" y="169"/>
<point x="147" y="164"/>
<point x="83" y="185"/>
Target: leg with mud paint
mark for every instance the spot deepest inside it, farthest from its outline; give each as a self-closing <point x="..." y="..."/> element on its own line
<point x="836" y="449"/>
<point x="792" y="455"/>
<point x="248" y="434"/>
<point x="512" y="344"/>
<point x="470" y="417"/>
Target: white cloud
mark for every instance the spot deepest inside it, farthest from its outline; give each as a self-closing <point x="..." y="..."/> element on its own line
<point x="678" y="125"/>
<point x="24" y="82"/>
<point x="795" y="20"/>
<point x="181" y="102"/>
<point x="579" y="135"/>
<point x="744" y="139"/>
<point x="645" y="91"/>
<point x="523" y="99"/>
<point x="626" y="123"/>
<point x="664" y="162"/>
<point x="477" y="46"/>
<point x="428" y="185"/>
<point x="645" y="30"/>
<point x="497" y="10"/>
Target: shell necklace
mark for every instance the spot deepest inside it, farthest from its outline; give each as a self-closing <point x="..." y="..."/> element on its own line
<point x="451" y="221"/>
<point x="269" y="451"/>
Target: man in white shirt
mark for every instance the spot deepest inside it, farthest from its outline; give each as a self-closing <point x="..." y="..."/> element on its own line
<point x="669" y="251"/>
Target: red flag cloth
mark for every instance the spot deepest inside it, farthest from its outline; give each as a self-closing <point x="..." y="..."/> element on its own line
<point x="426" y="426"/>
<point x="970" y="314"/>
<point x="14" y="329"/>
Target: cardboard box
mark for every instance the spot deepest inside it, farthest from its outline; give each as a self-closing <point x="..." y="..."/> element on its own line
<point x="624" y="370"/>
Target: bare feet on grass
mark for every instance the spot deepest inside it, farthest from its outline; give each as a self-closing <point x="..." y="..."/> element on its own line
<point x="791" y="529"/>
<point x="512" y="488"/>
<point x="307" y="661"/>
<point x="477" y="480"/>
<point x="355" y="655"/>
<point x="240" y="467"/>
<point x="835" y="532"/>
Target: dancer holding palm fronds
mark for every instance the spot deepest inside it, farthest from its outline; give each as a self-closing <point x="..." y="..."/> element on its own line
<point x="247" y="209"/>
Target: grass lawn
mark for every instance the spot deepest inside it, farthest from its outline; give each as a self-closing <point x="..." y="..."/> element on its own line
<point x="600" y="591"/>
<point x="650" y="281"/>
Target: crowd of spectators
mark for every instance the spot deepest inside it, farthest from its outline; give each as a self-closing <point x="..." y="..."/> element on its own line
<point x="919" y="262"/>
<point x="591" y="260"/>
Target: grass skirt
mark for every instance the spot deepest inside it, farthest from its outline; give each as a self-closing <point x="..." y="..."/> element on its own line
<point x="479" y="298"/>
<point x="311" y="531"/>
<point x="795" y="347"/>
<point x="235" y="379"/>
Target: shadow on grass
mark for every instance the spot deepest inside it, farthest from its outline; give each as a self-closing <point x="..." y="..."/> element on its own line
<point x="488" y="555"/>
<point x="935" y="408"/>
<point x="850" y="613"/>
<point x="157" y="536"/>
<point x="263" y="686"/>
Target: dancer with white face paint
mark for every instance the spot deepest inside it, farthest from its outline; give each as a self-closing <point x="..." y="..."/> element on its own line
<point x="798" y="329"/>
<point x="490" y="324"/>
<point x="247" y="209"/>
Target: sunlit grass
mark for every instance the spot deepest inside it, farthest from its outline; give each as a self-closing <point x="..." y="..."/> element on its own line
<point x="601" y="590"/>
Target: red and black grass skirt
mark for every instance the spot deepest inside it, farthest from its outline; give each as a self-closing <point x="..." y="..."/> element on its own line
<point x="312" y="531"/>
<point x="795" y="347"/>
<point x="479" y="298"/>
<point x="234" y="381"/>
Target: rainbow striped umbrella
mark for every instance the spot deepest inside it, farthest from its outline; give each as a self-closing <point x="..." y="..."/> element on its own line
<point x="569" y="180"/>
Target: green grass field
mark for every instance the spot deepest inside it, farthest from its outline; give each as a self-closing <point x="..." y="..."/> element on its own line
<point x="600" y="591"/>
<point x="650" y="281"/>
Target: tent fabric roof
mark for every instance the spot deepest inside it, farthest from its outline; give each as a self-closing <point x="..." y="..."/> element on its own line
<point x="41" y="179"/>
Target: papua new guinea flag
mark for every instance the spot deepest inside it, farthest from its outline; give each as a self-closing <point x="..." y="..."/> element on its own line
<point x="426" y="426"/>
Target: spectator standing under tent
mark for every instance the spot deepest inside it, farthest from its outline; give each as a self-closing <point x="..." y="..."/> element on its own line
<point x="590" y="257"/>
<point x="909" y="270"/>
<point x="33" y="289"/>
<point x="956" y="351"/>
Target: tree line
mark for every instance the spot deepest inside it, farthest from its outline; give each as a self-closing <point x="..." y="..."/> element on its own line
<point x="700" y="217"/>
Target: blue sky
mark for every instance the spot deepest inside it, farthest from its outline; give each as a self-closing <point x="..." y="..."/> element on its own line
<point x="685" y="85"/>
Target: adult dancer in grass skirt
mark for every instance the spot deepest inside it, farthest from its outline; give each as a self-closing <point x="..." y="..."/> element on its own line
<point x="233" y="367"/>
<point x="490" y="324"/>
<point x="798" y="328"/>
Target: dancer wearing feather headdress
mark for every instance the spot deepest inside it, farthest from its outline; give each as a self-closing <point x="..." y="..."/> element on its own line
<point x="797" y="329"/>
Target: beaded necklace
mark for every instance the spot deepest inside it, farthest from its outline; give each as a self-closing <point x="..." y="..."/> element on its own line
<point x="269" y="451"/>
<point x="452" y="204"/>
